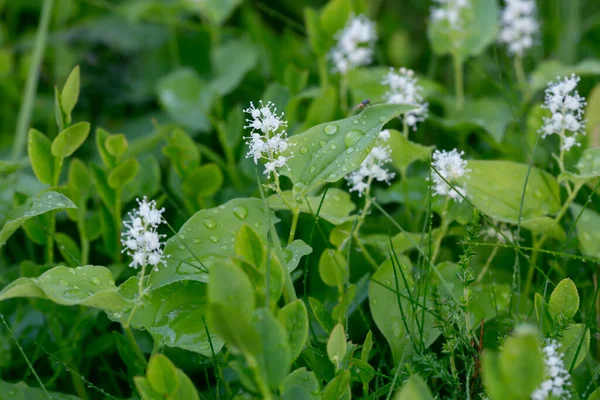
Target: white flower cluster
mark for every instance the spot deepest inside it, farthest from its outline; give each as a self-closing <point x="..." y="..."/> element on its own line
<point x="519" y="25"/>
<point x="372" y="167"/>
<point x="355" y="43"/>
<point x="451" y="11"/>
<point x="566" y="106"/>
<point x="558" y="379"/>
<point x="140" y="240"/>
<point x="404" y="88"/>
<point x="264" y="140"/>
<point x="451" y="166"/>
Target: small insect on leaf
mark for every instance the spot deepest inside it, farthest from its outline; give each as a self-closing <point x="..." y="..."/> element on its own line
<point x="362" y="105"/>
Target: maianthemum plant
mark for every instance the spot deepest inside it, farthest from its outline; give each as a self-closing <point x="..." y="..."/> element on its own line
<point x="309" y="218"/>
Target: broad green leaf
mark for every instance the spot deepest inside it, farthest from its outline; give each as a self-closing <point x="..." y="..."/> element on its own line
<point x="521" y="362"/>
<point x="413" y="389"/>
<point x="70" y="93"/>
<point x="301" y="385"/>
<point x="91" y="286"/>
<point x="203" y="181"/>
<point x="186" y="97"/>
<point x="123" y="173"/>
<point x="207" y="235"/>
<point x="249" y="246"/>
<point x="564" y="301"/>
<point x="162" y="375"/>
<point x="145" y="390"/>
<point x="231" y="307"/>
<point x="548" y="71"/>
<point x="336" y="346"/>
<point x="42" y="161"/>
<point x="338" y="388"/>
<point x="405" y="152"/>
<point x="47" y="201"/>
<point x="317" y="37"/>
<point x="229" y="74"/>
<point x="174" y="315"/>
<point x="493" y="381"/>
<point x="367" y="347"/>
<point x="386" y="306"/>
<point x="216" y="11"/>
<point x="588" y="166"/>
<point x="545" y="225"/>
<point x="328" y="152"/>
<point x="336" y="208"/>
<point x="294" y="318"/>
<point x="334" y="17"/>
<point x="502" y="200"/>
<point x="69" y="250"/>
<point x="274" y="358"/>
<point x="587" y="230"/>
<point x="322" y="108"/>
<point x="294" y="252"/>
<point x="20" y="391"/>
<point x="361" y="371"/>
<point x="479" y="29"/>
<point x="489" y="114"/>
<point x="116" y="145"/>
<point x="572" y="336"/>
<point x="70" y="139"/>
<point x="79" y="178"/>
<point x="332" y="268"/>
<point x="595" y="395"/>
<point x="182" y="152"/>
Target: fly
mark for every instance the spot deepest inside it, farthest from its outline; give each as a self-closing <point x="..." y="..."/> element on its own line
<point x="362" y="105"/>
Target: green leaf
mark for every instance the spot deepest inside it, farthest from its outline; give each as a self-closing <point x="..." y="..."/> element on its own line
<point x="489" y="114"/>
<point x="116" y="145"/>
<point x="107" y="194"/>
<point x="203" y="181"/>
<point x="301" y="385"/>
<point x="545" y="225"/>
<point x="217" y="11"/>
<point x="338" y="388"/>
<point x="564" y="301"/>
<point x="295" y="78"/>
<point x="123" y="173"/>
<point x="405" y="152"/>
<point x="182" y="152"/>
<point x="173" y="315"/>
<point x="595" y="395"/>
<point x="294" y="318"/>
<point x="548" y="71"/>
<point x="588" y="166"/>
<point x="69" y="250"/>
<point x="91" y="286"/>
<point x="101" y="139"/>
<point x="414" y="389"/>
<point x="334" y="16"/>
<point x="592" y="114"/>
<point x="162" y="375"/>
<point x="541" y="311"/>
<point x="336" y="208"/>
<point x="42" y="161"/>
<point x="587" y="230"/>
<point x="187" y="98"/>
<point x="70" y="139"/>
<point x="336" y="346"/>
<point x="328" y="152"/>
<point x="47" y="201"/>
<point x="502" y="200"/>
<point x="493" y="380"/>
<point x="230" y="74"/>
<point x="479" y="29"/>
<point x="321" y="315"/>
<point x="274" y="359"/>
<point x="570" y="340"/>
<point x="145" y="390"/>
<point x="20" y="391"/>
<point x="249" y="246"/>
<point x="231" y="306"/>
<point x="294" y="252"/>
<point x="208" y="235"/>
<point x="79" y="178"/>
<point x="367" y="347"/>
<point x="70" y="93"/>
<point x="332" y="268"/>
<point x="322" y="108"/>
<point x="317" y="37"/>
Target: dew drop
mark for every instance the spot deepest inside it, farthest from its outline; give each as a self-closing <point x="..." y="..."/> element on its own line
<point x="396" y="327"/>
<point x="382" y="120"/>
<point x="95" y="280"/>
<point x="62" y="282"/>
<point x="214" y="239"/>
<point x="331" y="129"/>
<point x="355" y="122"/>
<point x="352" y="137"/>
<point x="322" y="143"/>
<point x="257" y="224"/>
<point x="209" y="223"/>
<point x="111" y="282"/>
<point x="312" y="169"/>
<point x="182" y="236"/>
<point x="303" y="150"/>
<point x="72" y="271"/>
<point x="240" y="211"/>
<point x="181" y="247"/>
<point x="197" y="241"/>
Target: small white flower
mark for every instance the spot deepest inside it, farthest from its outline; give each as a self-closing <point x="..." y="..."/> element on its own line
<point x="451" y="11"/>
<point x="519" y="26"/>
<point x="500" y="234"/>
<point x="265" y="142"/>
<point x="566" y="106"/>
<point x="355" y="43"/>
<point x="372" y="167"/>
<point x="140" y="239"/>
<point x="558" y="380"/>
<point x="403" y="88"/>
<point x="451" y="166"/>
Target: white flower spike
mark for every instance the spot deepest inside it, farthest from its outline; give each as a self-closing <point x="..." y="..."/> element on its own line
<point x="451" y="11"/>
<point x="372" y="167"/>
<point x="558" y="380"/>
<point x="403" y="88"/>
<point x="566" y="106"/>
<point x="140" y="240"/>
<point x="451" y="166"/>
<point x="355" y="43"/>
<point x="265" y="142"/>
<point x="519" y="26"/>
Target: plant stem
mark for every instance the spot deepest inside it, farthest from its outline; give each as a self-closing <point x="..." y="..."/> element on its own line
<point x="488" y="262"/>
<point x="343" y="94"/>
<point x="443" y="230"/>
<point x="26" y="109"/>
<point x="323" y="74"/>
<point x="405" y="128"/>
<point x="118" y="223"/>
<point x="295" y="215"/>
<point x="458" y="82"/>
<point x="58" y="163"/>
<point x="521" y="78"/>
<point x="136" y="348"/>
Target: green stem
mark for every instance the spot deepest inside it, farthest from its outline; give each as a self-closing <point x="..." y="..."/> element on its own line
<point x="521" y="78"/>
<point x="459" y="82"/>
<point x="262" y="388"/>
<point x="344" y="93"/>
<point x="407" y="210"/>
<point x="135" y="347"/>
<point x="26" y="109"/>
<point x="405" y="128"/>
<point x="487" y="264"/>
<point x="118" y="223"/>
<point x="58" y="163"/>
<point x="83" y="240"/>
<point x="323" y="73"/>
<point x="295" y="215"/>
<point x="443" y="230"/>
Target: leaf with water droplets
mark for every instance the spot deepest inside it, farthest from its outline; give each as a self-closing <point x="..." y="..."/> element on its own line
<point x="502" y="199"/>
<point x="572" y="336"/>
<point x="91" y="286"/>
<point x="336" y="208"/>
<point x="294" y="318"/>
<point x="294" y="252"/>
<point x="47" y="201"/>
<point x="207" y="236"/>
<point x="20" y="390"/>
<point x="588" y="166"/>
<point x="301" y="384"/>
<point x="165" y="381"/>
<point x="588" y="233"/>
<point x="328" y="152"/>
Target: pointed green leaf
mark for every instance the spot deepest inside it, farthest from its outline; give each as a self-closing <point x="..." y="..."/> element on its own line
<point x="42" y="161"/>
<point x="322" y="316"/>
<point x="294" y="252"/>
<point x="70" y="139"/>
<point x="230" y="74"/>
<point x="336" y="208"/>
<point x="542" y="314"/>
<point x="328" y="152"/>
<point x="564" y="301"/>
<point x="294" y="318"/>
<point x="249" y="246"/>
<point x="162" y="375"/>
<point x="414" y="389"/>
<point x="70" y="93"/>
<point x="47" y="201"/>
<point x="116" y="145"/>
<point x="203" y="181"/>
<point x="274" y="359"/>
<point x="338" y="388"/>
<point x="123" y="173"/>
<point x="336" y="346"/>
<point x="79" y="177"/>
